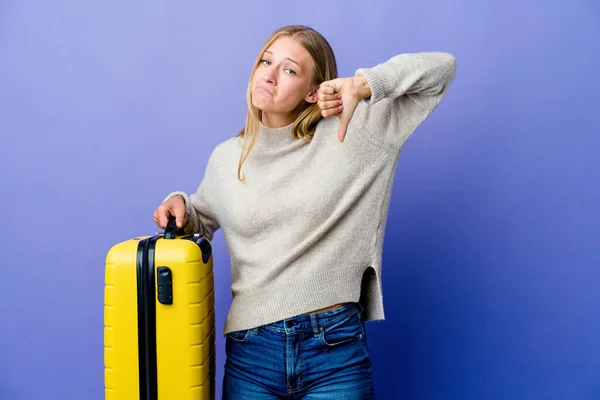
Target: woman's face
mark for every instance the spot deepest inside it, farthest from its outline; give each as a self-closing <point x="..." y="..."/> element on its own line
<point x="282" y="81"/>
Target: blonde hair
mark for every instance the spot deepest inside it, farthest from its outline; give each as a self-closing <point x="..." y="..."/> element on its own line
<point x="325" y="68"/>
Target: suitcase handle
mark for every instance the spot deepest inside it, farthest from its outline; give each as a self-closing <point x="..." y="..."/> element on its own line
<point x="171" y="228"/>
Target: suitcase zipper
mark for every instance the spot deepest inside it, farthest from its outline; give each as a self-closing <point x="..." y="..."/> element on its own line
<point x="146" y="305"/>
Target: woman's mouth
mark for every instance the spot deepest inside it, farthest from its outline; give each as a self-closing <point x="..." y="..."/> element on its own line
<point x="263" y="89"/>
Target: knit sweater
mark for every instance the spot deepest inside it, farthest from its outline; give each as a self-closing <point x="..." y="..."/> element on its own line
<point x="305" y="229"/>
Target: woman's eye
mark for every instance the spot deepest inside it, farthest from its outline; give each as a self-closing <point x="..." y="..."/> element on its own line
<point x="287" y="70"/>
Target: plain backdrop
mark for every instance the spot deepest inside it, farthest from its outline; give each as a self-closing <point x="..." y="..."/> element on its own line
<point x="491" y="256"/>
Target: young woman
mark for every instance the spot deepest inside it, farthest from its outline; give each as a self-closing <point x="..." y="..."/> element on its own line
<point x="302" y="199"/>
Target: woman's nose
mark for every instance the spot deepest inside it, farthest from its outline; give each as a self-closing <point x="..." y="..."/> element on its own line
<point x="269" y="77"/>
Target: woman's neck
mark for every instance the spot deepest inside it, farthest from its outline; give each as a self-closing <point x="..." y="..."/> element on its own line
<point x="276" y="120"/>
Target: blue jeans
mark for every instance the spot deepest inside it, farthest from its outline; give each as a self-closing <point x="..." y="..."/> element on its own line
<point x="313" y="356"/>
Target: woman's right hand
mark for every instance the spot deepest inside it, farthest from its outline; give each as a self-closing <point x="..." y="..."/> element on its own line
<point x="175" y="207"/>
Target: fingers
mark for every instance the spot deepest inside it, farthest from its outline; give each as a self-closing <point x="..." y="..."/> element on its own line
<point x="331" y="111"/>
<point x="156" y="219"/>
<point x="329" y="101"/>
<point x="329" y="108"/>
<point x="329" y="97"/>
<point x="175" y="207"/>
<point x="326" y="89"/>
<point x="179" y="213"/>
<point x="161" y="215"/>
<point x="325" y="105"/>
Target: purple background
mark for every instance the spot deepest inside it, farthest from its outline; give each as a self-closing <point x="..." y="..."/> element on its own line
<point x="491" y="258"/>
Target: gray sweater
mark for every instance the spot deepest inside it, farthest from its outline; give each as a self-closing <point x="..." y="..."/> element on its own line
<point x="308" y="222"/>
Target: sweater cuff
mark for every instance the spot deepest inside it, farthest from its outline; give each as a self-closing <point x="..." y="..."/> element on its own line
<point x="377" y="80"/>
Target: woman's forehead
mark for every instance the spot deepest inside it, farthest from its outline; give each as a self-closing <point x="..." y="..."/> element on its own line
<point x="286" y="47"/>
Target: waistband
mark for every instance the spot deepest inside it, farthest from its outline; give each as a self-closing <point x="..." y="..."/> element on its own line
<point x="312" y="322"/>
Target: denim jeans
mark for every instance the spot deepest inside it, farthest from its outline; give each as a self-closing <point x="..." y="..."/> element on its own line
<point x="313" y="356"/>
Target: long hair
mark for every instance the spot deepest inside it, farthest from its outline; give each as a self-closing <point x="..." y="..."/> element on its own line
<point x="309" y="114"/>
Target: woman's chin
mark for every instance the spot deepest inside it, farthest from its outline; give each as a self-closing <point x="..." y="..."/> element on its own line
<point x="260" y="105"/>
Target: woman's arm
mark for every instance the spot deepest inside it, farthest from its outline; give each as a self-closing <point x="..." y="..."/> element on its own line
<point x="199" y="215"/>
<point x="398" y="95"/>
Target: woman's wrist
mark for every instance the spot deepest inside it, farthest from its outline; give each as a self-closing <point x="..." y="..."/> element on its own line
<point x="362" y="87"/>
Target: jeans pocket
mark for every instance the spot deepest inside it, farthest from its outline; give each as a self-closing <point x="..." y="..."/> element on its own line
<point x="239" y="336"/>
<point x="344" y="330"/>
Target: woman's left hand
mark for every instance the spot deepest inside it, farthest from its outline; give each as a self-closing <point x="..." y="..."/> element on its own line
<point x="341" y="97"/>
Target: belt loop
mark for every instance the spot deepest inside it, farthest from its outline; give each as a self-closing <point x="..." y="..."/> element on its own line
<point x="313" y="322"/>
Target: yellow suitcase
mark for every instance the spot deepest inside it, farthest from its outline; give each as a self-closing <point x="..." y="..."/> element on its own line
<point x="159" y="318"/>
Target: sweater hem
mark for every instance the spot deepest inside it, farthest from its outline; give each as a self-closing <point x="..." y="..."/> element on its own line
<point x="300" y="295"/>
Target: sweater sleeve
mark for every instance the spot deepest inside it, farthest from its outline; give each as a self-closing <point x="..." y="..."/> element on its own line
<point x="404" y="91"/>
<point x="200" y="216"/>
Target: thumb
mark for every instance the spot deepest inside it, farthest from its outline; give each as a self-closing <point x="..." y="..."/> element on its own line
<point x="342" y="129"/>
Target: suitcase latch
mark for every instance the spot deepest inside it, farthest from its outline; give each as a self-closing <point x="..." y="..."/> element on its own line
<point x="165" y="285"/>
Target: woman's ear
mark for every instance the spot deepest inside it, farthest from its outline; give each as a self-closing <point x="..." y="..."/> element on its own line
<point x="313" y="96"/>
